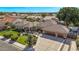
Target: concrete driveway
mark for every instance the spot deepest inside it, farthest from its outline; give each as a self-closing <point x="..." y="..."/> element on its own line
<point x="51" y="43"/>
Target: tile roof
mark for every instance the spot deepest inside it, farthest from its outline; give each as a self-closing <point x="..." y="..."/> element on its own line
<point x="47" y="23"/>
<point x="8" y="19"/>
<point x="56" y="29"/>
<point x="52" y="27"/>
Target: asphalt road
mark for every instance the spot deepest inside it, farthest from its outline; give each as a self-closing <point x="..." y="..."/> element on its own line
<point x="7" y="47"/>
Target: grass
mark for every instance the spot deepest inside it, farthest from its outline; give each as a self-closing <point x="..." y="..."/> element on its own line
<point x="1" y="33"/>
<point x="9" y="34"/>
<point x="8" y="31"/>
<point x="23" y="40"/>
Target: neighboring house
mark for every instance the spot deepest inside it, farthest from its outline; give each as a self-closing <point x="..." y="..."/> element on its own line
<point x="73" y="32"/>
<point x="51" y="18"/>
<point x="8" y="19"/>
<point x="2" y="26"/>
<point x="47" y="23"/>
<point x="33" y="16"/>
<point x="20" y="24"/>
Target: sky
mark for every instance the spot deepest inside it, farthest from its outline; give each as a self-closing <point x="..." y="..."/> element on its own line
<point x="29" y="9"/>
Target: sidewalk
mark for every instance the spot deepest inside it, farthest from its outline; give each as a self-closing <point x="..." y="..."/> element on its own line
<point x="16" y="44"/>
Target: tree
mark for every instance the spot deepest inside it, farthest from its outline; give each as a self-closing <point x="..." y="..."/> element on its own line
<point x="43" y="15"/>
<point x="69" y="15"/>
<point x="2" y="13"/>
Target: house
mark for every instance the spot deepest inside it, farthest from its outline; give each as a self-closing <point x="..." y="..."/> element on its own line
<point x="51" y="27"/>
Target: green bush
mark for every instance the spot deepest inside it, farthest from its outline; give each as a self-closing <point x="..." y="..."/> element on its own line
<point x="32" y="40"/>
<point x="23" y="40"/>
<point x="7" y="34"/>
<point x="14" y="37"/>
<point x="1" y="34"/>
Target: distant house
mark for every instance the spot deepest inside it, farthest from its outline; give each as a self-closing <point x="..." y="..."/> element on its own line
<point x="51" y="18"/>
<point x="51" y="27"/>
<point x="8" y="18"/>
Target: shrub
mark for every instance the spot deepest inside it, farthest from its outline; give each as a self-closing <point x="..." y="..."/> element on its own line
<point x="1" y="34"/>
<point x="32" y="40"/>
<point x="14" y="37"/>
<point x="23" y="40"/>
<point x="7" y="34"/>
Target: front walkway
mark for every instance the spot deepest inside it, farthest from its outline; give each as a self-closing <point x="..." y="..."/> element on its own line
<point x="7" y="47"/>
<point x="12" y="43"/>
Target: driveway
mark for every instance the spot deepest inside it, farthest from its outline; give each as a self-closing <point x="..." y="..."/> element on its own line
<point x="51" y="43"/>
<point x="46" y="44"/>
<point x="7" y="47"/>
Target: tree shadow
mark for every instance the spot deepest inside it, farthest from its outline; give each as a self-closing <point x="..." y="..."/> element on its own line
<point x="11" y="41"/>
<point x="4" y="39"/>
<point x="58" y="39"/>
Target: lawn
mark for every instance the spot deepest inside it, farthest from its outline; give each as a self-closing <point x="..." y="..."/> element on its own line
<point x="9" y="32"/>
<point x="23" y="39"/>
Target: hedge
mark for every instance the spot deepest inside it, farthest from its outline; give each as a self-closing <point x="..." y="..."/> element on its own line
<point x="7" y="34"/>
